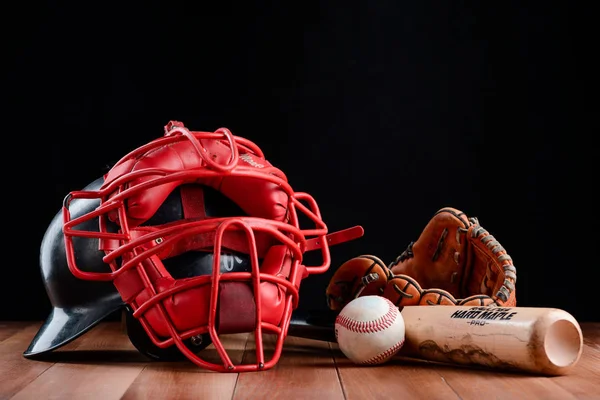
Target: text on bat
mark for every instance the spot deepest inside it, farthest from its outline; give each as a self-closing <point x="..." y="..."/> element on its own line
<point x="485" y="313"/>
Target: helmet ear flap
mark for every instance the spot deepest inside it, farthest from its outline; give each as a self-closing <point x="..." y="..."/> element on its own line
<point x="142" y="342"/>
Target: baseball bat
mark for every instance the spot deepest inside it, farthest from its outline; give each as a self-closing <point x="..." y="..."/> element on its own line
<point x="545" y="341"/>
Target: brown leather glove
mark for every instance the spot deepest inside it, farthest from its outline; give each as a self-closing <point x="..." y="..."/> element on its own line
<point x="455" y="259"/>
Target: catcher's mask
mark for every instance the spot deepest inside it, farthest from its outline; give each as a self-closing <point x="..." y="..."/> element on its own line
<point x="197" y="236"/>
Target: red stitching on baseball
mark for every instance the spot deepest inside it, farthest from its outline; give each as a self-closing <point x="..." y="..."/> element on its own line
<point x="380" y="324"/>
<point x="382" y="356"/>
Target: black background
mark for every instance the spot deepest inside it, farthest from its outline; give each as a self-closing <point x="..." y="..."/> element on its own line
<point x="385" y="111"/>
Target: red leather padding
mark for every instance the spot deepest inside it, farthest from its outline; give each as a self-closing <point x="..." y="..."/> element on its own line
<point x="189" y="309"/>
<point x="257" y="197"/>
<point x="237" y="308"/>
<point x="130" y="283"/>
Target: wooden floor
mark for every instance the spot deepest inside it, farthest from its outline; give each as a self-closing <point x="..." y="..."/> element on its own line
<point x="104" y="365"/>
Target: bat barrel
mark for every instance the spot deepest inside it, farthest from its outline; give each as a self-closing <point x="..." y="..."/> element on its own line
<point x="539" y="340"/>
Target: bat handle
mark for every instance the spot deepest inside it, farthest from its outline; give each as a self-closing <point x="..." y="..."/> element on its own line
<point x="317" y="325"/>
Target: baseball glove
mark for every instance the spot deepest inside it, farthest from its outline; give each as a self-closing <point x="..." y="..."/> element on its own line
<point x="455" y="261"/>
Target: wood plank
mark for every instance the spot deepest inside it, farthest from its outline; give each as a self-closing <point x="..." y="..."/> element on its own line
<point x="589" y="364"/>
<point x="305" y="369"/>
<point x="104" y="364"/>
<point x="16" y="372"/>
<point x="397" y="378"/>
<point x="100" y="364"/>
<point x="184" y="380"/>
<point x="77" y="381"/>
<point x="591" y="334"/>
<point x="9" y="328"/>
<point x="478" y="384"/>
<point x="584" y="380"/>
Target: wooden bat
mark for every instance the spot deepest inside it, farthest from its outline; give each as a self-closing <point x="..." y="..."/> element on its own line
<point x="545" y="341"/>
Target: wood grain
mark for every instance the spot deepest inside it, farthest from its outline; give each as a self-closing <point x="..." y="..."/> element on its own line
<point x="102" y="363"/>
<point x="591" y="335"/>
<point x="184" y="380"/>
<point x="306" y="367"/>
<point x="7" y="329"/>
<point x="478" y="384"/>
<point x="399" y="378"/>
<point x="16" y="372"/>
<point x="584" y="381"/>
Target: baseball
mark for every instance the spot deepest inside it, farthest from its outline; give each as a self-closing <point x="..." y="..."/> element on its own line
<point x="370" y="330"/>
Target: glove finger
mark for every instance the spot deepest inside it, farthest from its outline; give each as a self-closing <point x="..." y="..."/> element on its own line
<point x="432" y="297"/>
<point x="477" y="300"/>
<point x="360" y="276"/>
<point x="402" y="290"/>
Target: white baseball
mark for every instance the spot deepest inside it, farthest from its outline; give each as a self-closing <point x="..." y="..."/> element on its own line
<point x="370" y="330"/>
